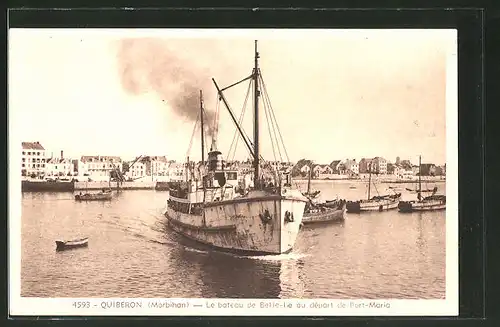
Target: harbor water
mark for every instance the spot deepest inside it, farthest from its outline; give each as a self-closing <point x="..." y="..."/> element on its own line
<point x="133" y="253"/>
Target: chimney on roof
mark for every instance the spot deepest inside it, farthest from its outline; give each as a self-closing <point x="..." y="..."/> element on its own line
<point x="62" y="154"/>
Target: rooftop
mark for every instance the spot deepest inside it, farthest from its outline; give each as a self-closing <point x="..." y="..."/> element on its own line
<point x="32" y="146"/>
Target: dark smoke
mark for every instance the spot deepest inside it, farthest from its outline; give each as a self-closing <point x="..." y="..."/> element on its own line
<point x="148" y="64"/>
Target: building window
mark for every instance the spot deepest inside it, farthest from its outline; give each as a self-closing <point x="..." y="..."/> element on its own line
<point x="33" y="165"/>
<point x="24" y="159"/>
<point x="38" y="153"/>
<point x="38" y="165"/>
<point x="22" y="165"/>
<point x="24" y="153"/>
<point x="29" y="153"/>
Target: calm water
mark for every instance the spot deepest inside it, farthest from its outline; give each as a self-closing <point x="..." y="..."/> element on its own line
<point x="132" y="253"/>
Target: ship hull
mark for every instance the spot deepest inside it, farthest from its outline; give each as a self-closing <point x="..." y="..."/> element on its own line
<point x="415" y="206"/>
<point x="258" y="225"/>
<point x="331" y="215"/>
<point x="357" y="207"/>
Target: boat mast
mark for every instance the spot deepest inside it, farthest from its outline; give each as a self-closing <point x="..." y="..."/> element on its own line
<point x="256" y="119"/>
<point x="369" y="178"/>
<point x="202" y="131"/>
<point x="419" y="175"/>
<point x="309" y="180"/>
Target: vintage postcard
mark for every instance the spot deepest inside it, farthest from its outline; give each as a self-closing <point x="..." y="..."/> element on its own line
<point x="233" y="172"/>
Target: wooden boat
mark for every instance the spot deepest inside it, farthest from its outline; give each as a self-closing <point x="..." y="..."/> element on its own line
<point x="375" y="203"/>
<point x="67" y="245"/>
<point x="321" y="213"/>
<point x="104" y="195"/>
<point x="263" y="218"/>
<point x="429" y="203"/>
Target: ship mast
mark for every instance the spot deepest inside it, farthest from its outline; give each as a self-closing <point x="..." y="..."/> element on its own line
<point x="202" y="131"/>
<point x="256" y="119"/>
<point x="369" y="178"/>
<point x="419" y="176"/>
<point x="309" y="179"/>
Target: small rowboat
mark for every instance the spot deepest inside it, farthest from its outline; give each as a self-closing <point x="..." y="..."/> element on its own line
<point x="101" y="196"/>
<point x="66" y="245"/>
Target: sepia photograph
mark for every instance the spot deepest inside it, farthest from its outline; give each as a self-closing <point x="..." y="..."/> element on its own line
<point x="238" y="165"/>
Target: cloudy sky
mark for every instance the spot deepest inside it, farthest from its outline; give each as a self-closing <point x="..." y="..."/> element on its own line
<point x="336" y="95"/>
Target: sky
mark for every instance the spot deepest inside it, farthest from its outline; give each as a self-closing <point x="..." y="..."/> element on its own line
<point x="335" y="94"/>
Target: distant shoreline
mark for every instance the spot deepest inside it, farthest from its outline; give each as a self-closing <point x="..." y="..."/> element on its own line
<point x="388" y="181"/>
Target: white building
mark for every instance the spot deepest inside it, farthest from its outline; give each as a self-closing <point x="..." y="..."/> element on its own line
<point x="158" y="166"/>
<point x="177" y="171"/>
<point x="351" y="167"/>
<point x="136" y="170"/>
<point x="32" y="159"/>
<point x="58" y="167"/>
<point x="98" y="167"/>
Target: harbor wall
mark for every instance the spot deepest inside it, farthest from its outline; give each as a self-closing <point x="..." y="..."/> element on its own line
<point x="134" y="185"/>
<point x="43" y="186"/>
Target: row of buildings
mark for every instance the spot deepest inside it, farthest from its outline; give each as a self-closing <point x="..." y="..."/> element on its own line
<point x="36" y="163"/>
<point x="378" y="165"/>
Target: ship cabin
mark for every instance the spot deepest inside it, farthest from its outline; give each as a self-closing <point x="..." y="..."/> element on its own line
<point x="215" y="184"/>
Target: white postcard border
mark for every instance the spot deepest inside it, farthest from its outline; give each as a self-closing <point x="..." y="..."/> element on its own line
<point x="19" y="306"/>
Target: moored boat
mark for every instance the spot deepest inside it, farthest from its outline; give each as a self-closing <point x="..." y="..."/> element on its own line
<point x="375" y="203"/>
<point x="261" y="218"/>
<point x="319" y="213"/>
<point x="104" y="195"/>
<point x="67" y="245"/>
<point x="429" y="203"/>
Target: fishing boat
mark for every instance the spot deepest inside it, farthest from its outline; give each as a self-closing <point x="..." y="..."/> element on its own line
<point x="432" y="202"/>
<point x="104" y="195"/>
<point x="375" y="203"/>
<point x="308" y="194"/>
<point x="261" y="218"/>
<point x="321" y="213"/>
<point x="67" y="245"/>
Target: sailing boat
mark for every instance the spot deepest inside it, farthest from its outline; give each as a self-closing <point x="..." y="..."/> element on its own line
<point x="308" y="194"/>
<point x="429" y="203"/>
<point x="376" y="203"/>
<point x="263" y="219"/>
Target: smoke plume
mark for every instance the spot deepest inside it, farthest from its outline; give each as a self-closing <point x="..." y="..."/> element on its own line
<point x="148" y="64"/>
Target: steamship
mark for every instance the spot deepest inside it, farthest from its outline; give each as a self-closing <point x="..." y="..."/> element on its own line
<point x="259" y="215"/>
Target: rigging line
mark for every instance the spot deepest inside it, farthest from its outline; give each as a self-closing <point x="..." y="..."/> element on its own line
<point x="273" y="123"/>
<point x="240" y="121"/>
<point x="272" y="111"/>
<point x="192" y="135"/>
<point x="269" y="130"/>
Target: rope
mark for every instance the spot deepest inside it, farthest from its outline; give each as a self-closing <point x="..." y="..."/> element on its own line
<point x="267" y="106"/>
<point x="192" y="135"/>
<point x="236" y="136"/>
<point x="272" y="111"/>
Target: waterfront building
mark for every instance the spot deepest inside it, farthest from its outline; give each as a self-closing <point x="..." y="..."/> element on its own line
<point x="322" y="171"/>
<point x="379" y="165"/>
<point x="363" y="165"/>
<point x="336" y="166"/>
<point x="137" y="169"/>
<point x="157" y="166"/>
<point x="57" y="167"/>
<point x="32" y="159"/>
<point x="98" y="167"/>
<point x="177" y="171"/>
<point x="351" y="167"/>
